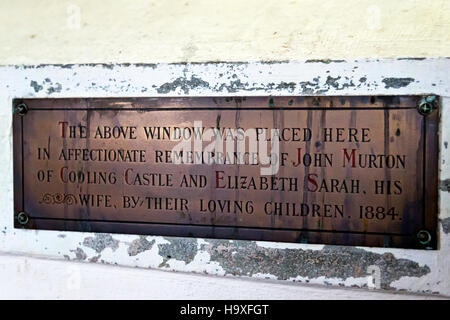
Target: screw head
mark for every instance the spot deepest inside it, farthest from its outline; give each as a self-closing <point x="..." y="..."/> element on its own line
<point x="21" y="109"/>
<point x="22" y="218"/>
<point x="427" y="104"/>
<point x="424" y="237"/>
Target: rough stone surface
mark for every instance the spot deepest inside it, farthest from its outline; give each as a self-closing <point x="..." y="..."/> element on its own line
<point x="246" y="258"/>
<point x="184" y="84"/>
<point x="397" y="82"/>
<point x="100" y="242"/>
<point x="140" y="245"/>
<point x="35" y="86"/>
<point x="179" y="249"/>
<point x="446" y="225"/>
<point x="445" y="185"/>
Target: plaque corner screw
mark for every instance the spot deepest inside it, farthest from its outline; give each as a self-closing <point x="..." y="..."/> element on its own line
<point x="424" y="237"/>
<point x="427" y="104"/>
<point x="22" y="218"/>
<point x="304" y="239"/>
<point x="21" y="109"/>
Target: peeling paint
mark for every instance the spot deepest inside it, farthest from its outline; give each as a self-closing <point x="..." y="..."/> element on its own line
<point x="94" y="259"/>
<point x="52" y="88"/>
<point x="35" y="86"/>
<point x="286" y="85"/>
<point x="246" y="258"/>
<point x="444" y="185"/>
<point x="79" y="254"/>
<point x="412" y="58"/>
<point x="56" y="88"/>
<point x="234" y="86"/>
<point x="100" y="242"/>
<point x="179" y="249"/>
<point x="184" y="84"/>
<point x="326" y="61"/>
<point x="140" y="245"/>
<point x="333" y="82"/>
<point x="446" y="225"/>
<point x="397" y="82"/>
<point x="309" y="87"/>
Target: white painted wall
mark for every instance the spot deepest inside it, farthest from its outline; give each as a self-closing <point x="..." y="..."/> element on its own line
<point x="139" y="31"/>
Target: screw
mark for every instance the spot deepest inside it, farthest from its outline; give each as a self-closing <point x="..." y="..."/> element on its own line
<point x="22" y="218"/>
<point x="427" y="104"/>
<point x="303" y="238"/>
<point x="21" y="109"/>
<point x="424" y="237"/>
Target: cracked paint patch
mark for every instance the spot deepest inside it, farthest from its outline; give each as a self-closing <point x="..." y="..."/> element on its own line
<point x="37" y="87"/>
<point x="56" y="88"/>
<point x="290" y="86"/>
<point x="139" y="245"/>
<point x="412" y="58"/>
<point x="397" y="83"/>
<point x="51" y="88"/>
<point x="183" y="84"/>
<point x="326" y="61"/>
<point x="79" y="254"/>
<point x="333" y="82"/>
<point x="234" y="86"/>
<point x="248" y="259"/>
<point x="235" y="83"/>
<point x="446" y="225"/>
<point x="94" y="259"/>
<point x="179" y="249"/>
<point x="309" y="87"/>
<point x="444" y="185"/>
<point x="100" y="242"/>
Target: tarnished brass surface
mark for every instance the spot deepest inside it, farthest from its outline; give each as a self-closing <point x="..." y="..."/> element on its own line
<point x="353" y="170"/>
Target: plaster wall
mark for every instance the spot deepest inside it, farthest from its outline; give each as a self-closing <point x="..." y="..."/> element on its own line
<point x="121" y="31"/>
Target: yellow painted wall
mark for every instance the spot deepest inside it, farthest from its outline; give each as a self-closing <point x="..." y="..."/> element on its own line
<point x="87" y="31"/>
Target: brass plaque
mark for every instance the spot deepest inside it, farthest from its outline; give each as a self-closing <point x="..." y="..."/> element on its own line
<point x="330" y="170"/>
